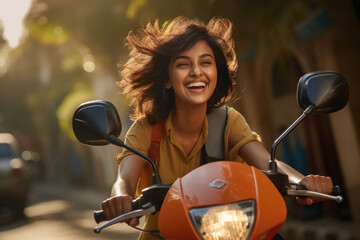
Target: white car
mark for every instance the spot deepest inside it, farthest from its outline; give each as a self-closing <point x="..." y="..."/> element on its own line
<point x="15" y="175"/>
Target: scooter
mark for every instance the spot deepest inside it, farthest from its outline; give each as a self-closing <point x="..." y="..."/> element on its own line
<point x="230" y="200"/>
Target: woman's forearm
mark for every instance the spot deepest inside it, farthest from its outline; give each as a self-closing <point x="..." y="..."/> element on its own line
<point x="256" y="155"/>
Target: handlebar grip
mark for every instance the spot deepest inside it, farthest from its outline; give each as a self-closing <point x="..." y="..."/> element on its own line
<point x="99" y="216"/>
<point x="336" y="189"/>
<point x="136" y="204"/>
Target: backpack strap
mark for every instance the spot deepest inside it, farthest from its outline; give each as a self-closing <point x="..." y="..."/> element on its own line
<point x="214" y="147"/>
<point x="156" y="136"/>
<point x="146" y="172"/>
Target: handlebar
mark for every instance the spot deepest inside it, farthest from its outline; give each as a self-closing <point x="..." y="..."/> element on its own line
<point x="293" y="190"/>
<point x="124" y="217"/>
<point x="99" y="216"/>
<point x="151" y="196"/>
<point x="336" y="189"/>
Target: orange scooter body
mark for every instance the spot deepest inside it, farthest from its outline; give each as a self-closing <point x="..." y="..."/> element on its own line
<point x="237" y="182"/>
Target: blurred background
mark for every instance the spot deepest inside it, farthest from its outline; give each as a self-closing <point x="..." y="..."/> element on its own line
<point x="56" y="54"/>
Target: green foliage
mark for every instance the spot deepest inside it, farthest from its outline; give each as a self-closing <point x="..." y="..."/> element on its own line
<point x="52" y="33"/>
<point x="134" y="7"/>
<point x="65" y="111"/>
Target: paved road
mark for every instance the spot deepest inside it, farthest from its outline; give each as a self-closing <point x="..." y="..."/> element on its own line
<point x="59" y="213"/>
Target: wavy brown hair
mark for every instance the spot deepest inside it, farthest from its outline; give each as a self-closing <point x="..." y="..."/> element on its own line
<point x="151" y="48"/>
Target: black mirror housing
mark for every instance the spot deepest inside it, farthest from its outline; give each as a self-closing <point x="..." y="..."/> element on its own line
<point x="327" y="91"/>
<point x="94" y="121"/>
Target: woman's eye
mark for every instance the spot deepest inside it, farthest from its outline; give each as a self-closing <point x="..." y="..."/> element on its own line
<point x="206" y="62"/>
<point x="181" y="64"/>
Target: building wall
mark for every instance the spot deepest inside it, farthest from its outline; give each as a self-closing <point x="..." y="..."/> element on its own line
<point x="335" y="47"/>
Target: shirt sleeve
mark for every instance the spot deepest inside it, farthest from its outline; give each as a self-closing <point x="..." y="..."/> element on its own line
<point x="138" y="137"/>
<point x="237" y="133"/>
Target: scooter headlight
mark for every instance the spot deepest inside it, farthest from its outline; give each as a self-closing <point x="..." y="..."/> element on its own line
<point x="230" y="221"/>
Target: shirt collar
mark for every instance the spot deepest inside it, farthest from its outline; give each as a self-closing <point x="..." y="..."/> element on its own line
<point x="201" y="141"/>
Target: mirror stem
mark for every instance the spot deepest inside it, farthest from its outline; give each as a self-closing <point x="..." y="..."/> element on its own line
<point x="272" y="163"/>
<point x="116" y="141"/>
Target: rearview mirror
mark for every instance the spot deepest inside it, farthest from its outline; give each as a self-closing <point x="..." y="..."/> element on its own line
<point x="326" y="91"/>
<point x="98" y="123"/>
<point x="321" y="91"/>
<point x="95" y="121"/>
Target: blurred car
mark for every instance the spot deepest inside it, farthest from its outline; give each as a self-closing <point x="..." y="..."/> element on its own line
<point x="15" y="175"/>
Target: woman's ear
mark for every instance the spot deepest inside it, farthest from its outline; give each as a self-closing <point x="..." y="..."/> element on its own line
<point x="167" y="85"/>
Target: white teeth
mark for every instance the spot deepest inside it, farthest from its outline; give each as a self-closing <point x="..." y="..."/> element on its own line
<point x="196" y="84"/>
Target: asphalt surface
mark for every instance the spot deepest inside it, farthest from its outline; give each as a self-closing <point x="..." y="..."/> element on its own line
<point x="60" y="213"/>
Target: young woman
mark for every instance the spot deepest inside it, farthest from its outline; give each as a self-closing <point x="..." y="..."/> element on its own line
<point x="177" y="74"/>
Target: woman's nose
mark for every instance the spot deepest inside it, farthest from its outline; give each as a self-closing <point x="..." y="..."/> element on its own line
<point x="195" y="71"/>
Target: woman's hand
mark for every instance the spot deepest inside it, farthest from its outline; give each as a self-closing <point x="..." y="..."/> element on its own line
<point x="315" y="183"/>
<point x="118" y="205"/>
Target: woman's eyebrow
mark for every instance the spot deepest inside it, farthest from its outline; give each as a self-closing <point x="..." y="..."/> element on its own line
<point x="186" y="57"/>
<point x="181" y="57"/>
<point x="206" y="55"/>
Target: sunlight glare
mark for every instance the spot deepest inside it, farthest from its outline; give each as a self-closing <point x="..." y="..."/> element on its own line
<point x="12" y="14"/>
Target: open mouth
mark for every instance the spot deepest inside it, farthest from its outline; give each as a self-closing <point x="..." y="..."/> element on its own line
<point x="196" y="85"/>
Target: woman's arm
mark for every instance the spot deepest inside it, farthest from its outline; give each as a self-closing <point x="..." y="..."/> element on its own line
<point x="128" y="175"/>
<point x="124" y="188"/>
<point x="256" y="155"/>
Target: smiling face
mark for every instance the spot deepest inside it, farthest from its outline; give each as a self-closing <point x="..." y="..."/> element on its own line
<point x="193" y="75"/>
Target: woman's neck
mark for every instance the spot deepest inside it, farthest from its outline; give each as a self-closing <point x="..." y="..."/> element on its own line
<point x="189" y="120"/>
<point x="187" y="124"/>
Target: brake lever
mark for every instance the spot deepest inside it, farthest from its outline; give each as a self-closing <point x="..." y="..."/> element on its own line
<point x="126" y="216"/>
<point x="307" y="193"/>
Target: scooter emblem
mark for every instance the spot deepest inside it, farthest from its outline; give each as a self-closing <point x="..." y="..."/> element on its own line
<point x="217" y="183"/>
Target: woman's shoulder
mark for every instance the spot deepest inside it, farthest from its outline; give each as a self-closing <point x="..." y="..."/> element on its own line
<point x="236" y="120"/>
<point x="137" y="137"/>
<point x="234" y="114"/>
<point x="140" y="127"/>
<point x="143" y="121"/>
